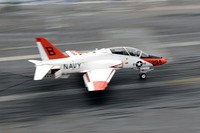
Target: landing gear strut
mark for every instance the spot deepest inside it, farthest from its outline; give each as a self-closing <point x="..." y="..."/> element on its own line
<point x="143" y="72"/>
<point x="143" y="75"/>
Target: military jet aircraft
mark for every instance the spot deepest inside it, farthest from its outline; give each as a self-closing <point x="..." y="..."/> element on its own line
<point x="97" y="67"/>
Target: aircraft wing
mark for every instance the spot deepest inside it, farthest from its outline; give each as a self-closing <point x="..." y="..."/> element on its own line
<point x="98" y="79"/>
<point x="72" y="53"/>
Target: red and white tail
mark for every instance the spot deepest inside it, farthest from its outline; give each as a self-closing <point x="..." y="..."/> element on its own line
<point x="47" y="50"/>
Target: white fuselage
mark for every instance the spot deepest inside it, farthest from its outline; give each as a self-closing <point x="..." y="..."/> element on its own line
<point x="98" y="59"/>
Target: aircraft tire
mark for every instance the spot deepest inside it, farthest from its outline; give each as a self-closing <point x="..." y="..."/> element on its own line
<point x="143" y="76"/>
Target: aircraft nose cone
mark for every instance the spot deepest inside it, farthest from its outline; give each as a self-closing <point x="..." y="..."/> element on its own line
<point x="164" y="60"/>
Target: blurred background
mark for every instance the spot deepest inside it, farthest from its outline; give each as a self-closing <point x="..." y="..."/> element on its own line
<point x="168" y="101"/>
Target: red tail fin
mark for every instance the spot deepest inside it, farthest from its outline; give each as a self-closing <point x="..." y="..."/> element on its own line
<point x="48" y="51"/>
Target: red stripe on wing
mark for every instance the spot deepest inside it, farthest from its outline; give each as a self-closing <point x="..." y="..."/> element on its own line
<point x="100" y="85"/>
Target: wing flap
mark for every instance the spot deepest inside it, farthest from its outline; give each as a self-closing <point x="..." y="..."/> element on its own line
<point x="98" y="79"/>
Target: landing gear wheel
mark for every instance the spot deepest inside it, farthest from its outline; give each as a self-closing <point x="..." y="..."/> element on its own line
<point x="143" y="76"/>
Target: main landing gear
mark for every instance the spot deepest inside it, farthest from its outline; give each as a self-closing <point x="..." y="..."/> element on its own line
<point x="143" y="75"/>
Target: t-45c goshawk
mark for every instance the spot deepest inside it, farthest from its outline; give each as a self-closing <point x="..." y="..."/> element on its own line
<point x="97" y="67"/>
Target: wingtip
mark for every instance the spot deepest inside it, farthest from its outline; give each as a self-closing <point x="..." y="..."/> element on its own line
<point x="100" y="85"/>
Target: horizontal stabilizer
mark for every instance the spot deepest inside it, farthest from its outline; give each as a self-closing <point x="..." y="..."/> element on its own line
<point x="36" y="62"/>
<point x="41" y="71"/>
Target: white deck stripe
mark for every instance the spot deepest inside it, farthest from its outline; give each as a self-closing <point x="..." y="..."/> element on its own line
<point x="26" y="47"/>
<point x="179" y="44"/>
<point x="37" y="94"/>
<point x="167" y="8"/>
<point x="23" y="57"/>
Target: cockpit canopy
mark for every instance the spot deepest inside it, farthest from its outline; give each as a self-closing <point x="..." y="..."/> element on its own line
<point x="128" y="51"/>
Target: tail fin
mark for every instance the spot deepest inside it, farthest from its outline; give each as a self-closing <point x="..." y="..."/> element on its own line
<point x="41" y="70"/>
<point x="47" y="50"/>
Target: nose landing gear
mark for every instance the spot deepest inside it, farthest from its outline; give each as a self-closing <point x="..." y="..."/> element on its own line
<point x="143" y="72"/>
<point x="143" y="75"/>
